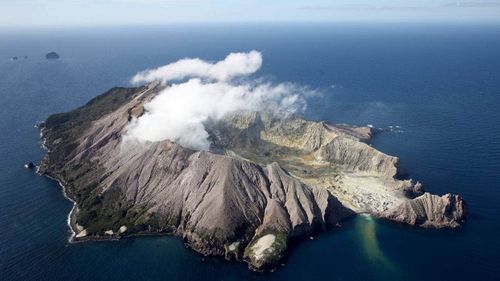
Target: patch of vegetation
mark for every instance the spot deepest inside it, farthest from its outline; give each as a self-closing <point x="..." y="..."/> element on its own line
<point x="101" y="212"/>
<point x="155" y="223"/>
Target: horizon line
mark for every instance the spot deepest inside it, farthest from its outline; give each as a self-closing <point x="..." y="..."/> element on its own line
<point x="489" y="21"/>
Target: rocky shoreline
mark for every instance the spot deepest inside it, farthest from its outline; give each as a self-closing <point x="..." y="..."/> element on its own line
<point x="264" y="182"/>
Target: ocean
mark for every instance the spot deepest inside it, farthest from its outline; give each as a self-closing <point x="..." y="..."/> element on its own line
<point x="438" y="85"/>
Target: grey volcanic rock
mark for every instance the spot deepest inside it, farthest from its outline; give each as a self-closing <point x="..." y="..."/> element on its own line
<point x="265" y="181"/>
<point x="430" y="211"/>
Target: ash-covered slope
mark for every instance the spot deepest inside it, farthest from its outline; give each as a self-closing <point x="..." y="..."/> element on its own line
<point x="265" y="180"/>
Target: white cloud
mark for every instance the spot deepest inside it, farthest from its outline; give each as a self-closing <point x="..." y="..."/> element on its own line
<point x="180" y="111"/>
<point x="235" y="64"/>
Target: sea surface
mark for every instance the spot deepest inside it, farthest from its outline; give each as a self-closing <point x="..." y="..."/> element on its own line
<point x="440" y="83"/>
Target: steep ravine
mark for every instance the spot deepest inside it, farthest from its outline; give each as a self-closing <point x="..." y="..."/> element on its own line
<point x="265" y="181"/>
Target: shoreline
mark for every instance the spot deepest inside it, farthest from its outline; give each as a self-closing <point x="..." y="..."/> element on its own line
<point x="71" y="239"/>
<point x="63" y="188"/>
<point x="69" y="220"/>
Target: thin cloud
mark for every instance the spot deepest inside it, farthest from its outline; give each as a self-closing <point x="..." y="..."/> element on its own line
<point x="360" y="7"/>
<point x="473" y="4"/>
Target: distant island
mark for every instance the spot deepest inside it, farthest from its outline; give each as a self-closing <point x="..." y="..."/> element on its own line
<point x="16" y="57"/>
<point x="264" y="183"/>
<point x="52" y="56"/>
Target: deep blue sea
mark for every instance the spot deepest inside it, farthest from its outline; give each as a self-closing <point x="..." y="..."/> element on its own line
<point x="439" y="82"/>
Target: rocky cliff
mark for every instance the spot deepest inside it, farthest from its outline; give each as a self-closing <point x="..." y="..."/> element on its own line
<point x="266" y="180"/>
<point x="429" y="210"/>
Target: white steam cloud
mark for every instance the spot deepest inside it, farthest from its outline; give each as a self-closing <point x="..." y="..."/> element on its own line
<point x="235" y="64"/>
<point x="179" y="112"/>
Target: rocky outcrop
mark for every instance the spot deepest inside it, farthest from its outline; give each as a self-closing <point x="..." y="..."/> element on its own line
<point x="430" y="211"/>
<point x="265" y="181"/>
<point x="354" y="155"/>
<point x="52" y="56"/>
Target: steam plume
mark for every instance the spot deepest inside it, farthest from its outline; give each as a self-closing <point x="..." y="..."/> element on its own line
<point x="179" y="112"/>
<point x="235" y="64"/>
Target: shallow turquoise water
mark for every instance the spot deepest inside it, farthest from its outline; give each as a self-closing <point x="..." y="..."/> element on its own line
<point x="441" y="84"/>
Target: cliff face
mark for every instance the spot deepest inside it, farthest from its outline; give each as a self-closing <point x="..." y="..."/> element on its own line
<point x="430" y="211"/>
<point x="265" y="180"/>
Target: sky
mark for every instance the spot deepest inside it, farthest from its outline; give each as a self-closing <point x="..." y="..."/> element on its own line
<point x="64" y="13"/>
